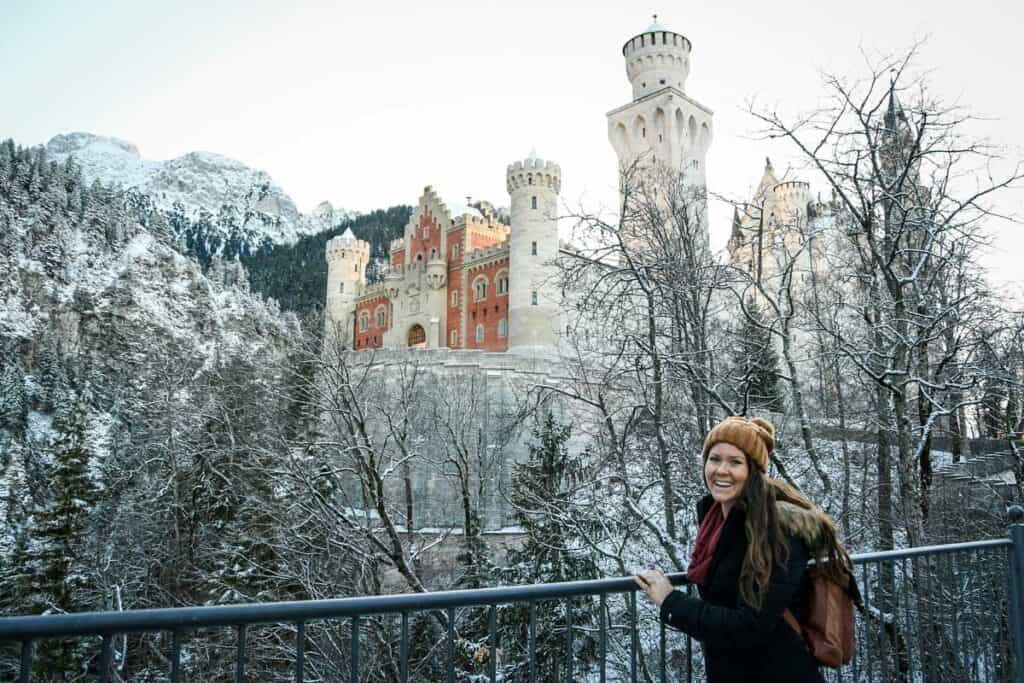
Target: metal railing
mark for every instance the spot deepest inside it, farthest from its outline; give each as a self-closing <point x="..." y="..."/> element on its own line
<point x="940" y="613"/>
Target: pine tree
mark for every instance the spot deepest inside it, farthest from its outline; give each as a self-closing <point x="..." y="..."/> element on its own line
<point x="542" y="491"/>
<point x="756" y="362"/>
<point x="57" y="573"/>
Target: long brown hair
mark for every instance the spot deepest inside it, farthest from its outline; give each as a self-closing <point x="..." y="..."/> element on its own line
<point x="767" y="544"/>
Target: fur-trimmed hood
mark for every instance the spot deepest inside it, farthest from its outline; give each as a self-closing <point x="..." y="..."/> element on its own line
<point x="808" y="525"/>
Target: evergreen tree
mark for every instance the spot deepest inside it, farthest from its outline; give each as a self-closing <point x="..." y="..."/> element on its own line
<point x="756" y="363"/>
<point x="542" y="493"/>
<point x="57" y="575"/>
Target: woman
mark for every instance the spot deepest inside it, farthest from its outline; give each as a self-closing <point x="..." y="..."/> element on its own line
<point x="749" y="562"/>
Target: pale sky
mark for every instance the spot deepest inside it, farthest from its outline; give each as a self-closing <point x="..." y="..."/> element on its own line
<point x="363" y="103"/>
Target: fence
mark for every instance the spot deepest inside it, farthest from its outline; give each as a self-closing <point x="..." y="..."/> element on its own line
<point x="941" y="613"/>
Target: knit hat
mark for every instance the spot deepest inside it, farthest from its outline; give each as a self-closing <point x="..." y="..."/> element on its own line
<point x="755" y="437"/>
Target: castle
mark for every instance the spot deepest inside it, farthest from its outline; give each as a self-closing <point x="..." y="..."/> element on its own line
<point x="465" y="277"/>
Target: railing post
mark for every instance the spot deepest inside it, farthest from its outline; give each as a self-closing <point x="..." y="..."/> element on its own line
<point x="1016" y="584"/>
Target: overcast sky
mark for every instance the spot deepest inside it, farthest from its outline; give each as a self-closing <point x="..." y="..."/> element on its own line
<point x="363" y="103"/>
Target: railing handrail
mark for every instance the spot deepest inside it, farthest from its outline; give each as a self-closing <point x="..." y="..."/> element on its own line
<point x="190" y="618"/>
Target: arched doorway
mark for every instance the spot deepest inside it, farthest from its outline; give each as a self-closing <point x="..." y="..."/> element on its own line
<point x="417" y="337"/>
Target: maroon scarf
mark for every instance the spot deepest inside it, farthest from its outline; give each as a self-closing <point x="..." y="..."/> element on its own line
<point x="704" y="548"/>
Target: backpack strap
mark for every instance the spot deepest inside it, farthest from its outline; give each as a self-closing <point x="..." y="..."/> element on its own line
<point x="793" y="623"/>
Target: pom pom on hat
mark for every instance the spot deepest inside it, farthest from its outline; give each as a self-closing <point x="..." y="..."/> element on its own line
<point x="755" y="437"/>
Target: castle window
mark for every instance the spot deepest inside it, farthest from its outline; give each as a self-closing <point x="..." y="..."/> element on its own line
<point x="455" y="251"/>
<point x="502" y="328"/>
<point x="381" y="316"/>
<point x="453" y="339"/>
<point x="419" y="258"/>
<point x="643" y="133"/>
<point x="479" y="333"/>
<point x="502" y="283"/>
<point x="355" y="267"/>
<point x="529" y="179"/>
<point x="533" y="298"/>
<point x="480" y="288"/>
<point x="433" y="253"/>
<point x="341" y="288"/>
<point x="455" y="297"/>
<point x="364" y="321"/>
<point x="662" y="81"/>
<point x="533" y="248"/>
<point x="533" y="202"/>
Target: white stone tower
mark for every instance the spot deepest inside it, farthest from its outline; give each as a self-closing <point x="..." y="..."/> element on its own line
<point x="661" y="122"/>
<point x="533" y="290"/>
<point x="346" y="276"/>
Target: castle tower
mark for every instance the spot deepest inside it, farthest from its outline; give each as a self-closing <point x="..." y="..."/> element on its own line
<point x="533" y="296"/>
<point x="661" y="123"/>
<point x="346" y="276"/>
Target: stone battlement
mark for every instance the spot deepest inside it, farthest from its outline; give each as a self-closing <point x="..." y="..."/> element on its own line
<point x="533" y="173"/>
<point x="341" y="248"/>
<point x="486" y="253"/>
<point x="793" y="186"/>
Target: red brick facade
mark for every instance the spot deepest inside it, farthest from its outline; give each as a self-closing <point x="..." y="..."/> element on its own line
<point x="369" y="332"/>
<point x="456" y="299"/>
<point x="488" y="315"/>
<point x="425" y="240"/>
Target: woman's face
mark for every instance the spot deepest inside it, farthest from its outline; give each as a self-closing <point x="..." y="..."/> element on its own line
<point x="725" y="473"/>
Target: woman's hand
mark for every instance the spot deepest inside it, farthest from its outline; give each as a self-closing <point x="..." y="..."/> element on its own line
<point x="655" y="584"/>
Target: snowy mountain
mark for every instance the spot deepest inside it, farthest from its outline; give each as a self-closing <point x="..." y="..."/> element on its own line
<point x="232" y="198"/>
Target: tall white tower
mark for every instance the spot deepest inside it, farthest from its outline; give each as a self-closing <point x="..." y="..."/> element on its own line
<point x="661" y="123"/>
<point x="346" y="276"/>
<point x="533" y="291"/>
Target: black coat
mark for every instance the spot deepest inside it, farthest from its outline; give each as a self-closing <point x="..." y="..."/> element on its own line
<point x="742" y="644"/>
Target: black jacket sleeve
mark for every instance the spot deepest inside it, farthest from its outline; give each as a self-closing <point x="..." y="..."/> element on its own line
<point x="741" y="626"/>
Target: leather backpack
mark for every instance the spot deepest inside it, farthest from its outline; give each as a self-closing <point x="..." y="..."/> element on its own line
<point x="829" y="629"/>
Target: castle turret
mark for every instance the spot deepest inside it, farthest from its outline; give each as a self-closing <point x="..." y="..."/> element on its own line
<point x="655" y="59"/>
<point x="661" y="123"/>
<point x="791" y="201"/>
<point x="347" y="258"/>
<point x="533" y="297"/>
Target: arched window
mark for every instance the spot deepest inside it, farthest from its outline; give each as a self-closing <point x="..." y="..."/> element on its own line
<point x="533" y="202"/>
<point x="533" y="248"/>
<point x="503" y="328"/>
<point x="502" y="283"/>
<point x="364" y="321"/>
<point x="480" y="288"/>
<point x="455" y="297"/>
<point x="381" y="316"/>
<point x="455" y="251"/>
<point x="533" y="298"/>
<point x="453" y="339"/>
<point x="341" y="288"/>
<point x="433" y="254"/>
<point x="480" y="333"/>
